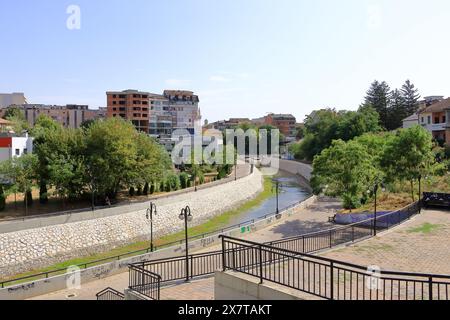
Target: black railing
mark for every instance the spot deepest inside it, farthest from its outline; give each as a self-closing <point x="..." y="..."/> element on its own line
<point x="327" y="239"/>
<point x="144" y="282"/>
<point x="173" y="269"/>
<point x="47" y="274"/>
<point x="110" y="294"/>
<point x="328" y="278"/>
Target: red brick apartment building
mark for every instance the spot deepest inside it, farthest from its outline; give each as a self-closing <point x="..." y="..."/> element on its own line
<point x="132" y="105"/>
<point x="284" y="122"/>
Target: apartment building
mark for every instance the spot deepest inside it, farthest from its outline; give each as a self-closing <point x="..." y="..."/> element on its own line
<point x="132" y="105"/>
<point x="286" y="123"/>
<point x="69" y="116"/>
<point x="184" y="106"/>
<point x="15" y="98"/>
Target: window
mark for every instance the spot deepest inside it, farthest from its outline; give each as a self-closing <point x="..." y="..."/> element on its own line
<point x="444" y="119"/>
<point x="423" y="120"/>
<point x="25" y="151"/>
<point x="436" y="119"/>
<point x="114" y="102"/>
<point x="429" y="119"/>
<point x="17" y="152"/>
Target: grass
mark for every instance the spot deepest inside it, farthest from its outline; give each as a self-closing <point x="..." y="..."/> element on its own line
<point x="425" y="228"/>
<point x="213" y="224"/>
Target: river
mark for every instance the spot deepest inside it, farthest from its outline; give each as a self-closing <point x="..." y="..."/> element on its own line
<point x="291" y="191"/>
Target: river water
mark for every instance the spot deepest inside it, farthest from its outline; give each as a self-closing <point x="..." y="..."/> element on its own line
<point x="291" y="191"/>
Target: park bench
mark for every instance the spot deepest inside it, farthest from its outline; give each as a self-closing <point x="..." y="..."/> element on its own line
<point x="441" y="200"/>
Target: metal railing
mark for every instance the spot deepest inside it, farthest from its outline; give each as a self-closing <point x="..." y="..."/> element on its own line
<point x="358" y="231"/>
<point x="110" y="294"/>
<point x="47" y="274"/>
<point x="328" y="278"/>
<point x="173" y="269"/>
<point x="144" y="282"/>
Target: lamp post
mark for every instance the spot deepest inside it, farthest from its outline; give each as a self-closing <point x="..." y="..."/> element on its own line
<point x="149" y="215"/>
<point x="375" y="190"/>
<point x="420" y="193"/>
<point x="277" y="189"/>
<point x="187" y="217"/>
<point x="235" y="168"/>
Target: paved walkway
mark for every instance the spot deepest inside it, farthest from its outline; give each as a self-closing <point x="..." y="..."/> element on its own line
<point x="421" y="245"/>
<point x="309" y="220"/>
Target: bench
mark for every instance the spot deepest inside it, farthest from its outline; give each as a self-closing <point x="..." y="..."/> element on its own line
<point x="441" y="200"/>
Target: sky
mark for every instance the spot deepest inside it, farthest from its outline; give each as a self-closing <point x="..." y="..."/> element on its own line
<point x="244" y="58"/>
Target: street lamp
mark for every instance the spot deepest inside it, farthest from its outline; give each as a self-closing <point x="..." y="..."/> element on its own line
<point x="375" y="191"/>
<point x="149" y="215"/>
<point x="277" y="189"/>
<point x="187" y="217"/>
<point x="420" y="193"/>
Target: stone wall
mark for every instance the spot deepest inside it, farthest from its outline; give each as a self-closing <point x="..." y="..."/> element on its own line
<point x="26" y="250"/>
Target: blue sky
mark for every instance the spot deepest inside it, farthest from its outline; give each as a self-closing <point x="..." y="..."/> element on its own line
<point x="244" y="58"/>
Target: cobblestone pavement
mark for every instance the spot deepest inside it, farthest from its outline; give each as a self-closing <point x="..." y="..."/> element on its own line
<point x="420" y="245"/>
<point x="309" y="220"/>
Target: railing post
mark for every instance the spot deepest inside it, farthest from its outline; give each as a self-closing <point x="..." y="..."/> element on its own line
<point x="332" y="281"/>
<point x="430" y="288"/>
<point x="223" y="255"/>
<point x="260" y="265"/>
<point x="331" y="245"/>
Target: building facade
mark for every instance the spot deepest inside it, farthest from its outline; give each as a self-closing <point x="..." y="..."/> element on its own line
<point x="436" y="119"/>
<point x="286" y="123"/>
<point x="132" y="105"/>
<point x="12" y="145"/>
<point x="69" y="116"/>
<point x="8" y="99"/>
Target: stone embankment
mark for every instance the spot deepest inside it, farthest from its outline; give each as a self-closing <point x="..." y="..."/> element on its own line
<point x="30" y="249"/>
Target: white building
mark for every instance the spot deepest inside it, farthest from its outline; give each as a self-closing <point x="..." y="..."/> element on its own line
<point x="12" y="145"/>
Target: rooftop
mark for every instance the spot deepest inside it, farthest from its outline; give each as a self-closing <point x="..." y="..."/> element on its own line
<point x="438" y="106"/>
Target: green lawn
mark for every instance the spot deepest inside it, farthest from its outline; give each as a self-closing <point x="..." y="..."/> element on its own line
<point x="426" y="228"/>
<point x="141" y="247"/>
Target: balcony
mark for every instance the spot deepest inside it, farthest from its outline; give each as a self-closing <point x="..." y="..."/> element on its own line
<point x="436" y="126"/>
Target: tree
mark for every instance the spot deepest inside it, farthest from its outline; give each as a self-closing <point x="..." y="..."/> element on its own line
<point x="411" y="96"/>
<point x="324" y="126"/>
<point x="345" y="170"/>
<point x="378" y="96"/>
<point x="110" y="156"/>
<point x="397" y="110"/>
<point x="408" y="156"/>
<point x="21" y="171"/>
<point x="17" y="117"/>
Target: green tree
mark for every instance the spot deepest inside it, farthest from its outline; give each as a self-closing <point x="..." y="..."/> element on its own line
<point x="397" y="110"/>
<point x="345" y="170"/>
<point x="21" y="171"/>
<point x="408" y="156"/>
<point x="411" y="96"/>
<point x="378" y="96"/>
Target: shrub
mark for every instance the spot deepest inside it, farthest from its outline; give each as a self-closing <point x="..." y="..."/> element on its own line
<point x="184" y="180"/>
<point x="146" y="188"/>
<point x="2" y="199"/>
<point x="29" y="198"/>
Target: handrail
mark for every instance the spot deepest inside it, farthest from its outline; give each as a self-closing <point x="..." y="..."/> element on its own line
<point x="110" y="294"/>
<point x="147" y="250"/>
<point x="355" y="282"/>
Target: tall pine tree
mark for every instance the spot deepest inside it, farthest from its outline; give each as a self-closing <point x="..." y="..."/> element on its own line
<point x="411" y="97"/>
<point x="397" y="110"/>
<point x="378" y="97"/>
